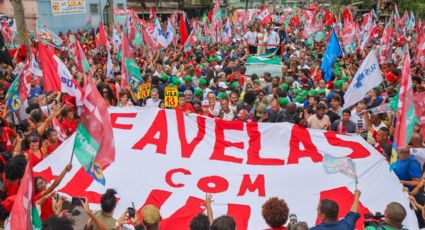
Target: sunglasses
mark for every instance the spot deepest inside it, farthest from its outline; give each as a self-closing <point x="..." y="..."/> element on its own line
<point x="34" y="140"/>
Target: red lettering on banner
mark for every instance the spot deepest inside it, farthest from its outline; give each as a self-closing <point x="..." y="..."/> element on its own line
<point x="78" y="185"/>
<point x="240" y="214"/>
<point x="221" y="144"/>
<point x="220" y="184"/>
<point x="114" y="117"/>
<point x="359" y="151"/>
<point x="247" y="184"/>
<point x="169" y="177"/>
<point x="184" y="215"/>
<point x="301" y="135"/>
<point x="159" y="125"/>
<point x="254" y="147"/>
<point x="187" y="148"/>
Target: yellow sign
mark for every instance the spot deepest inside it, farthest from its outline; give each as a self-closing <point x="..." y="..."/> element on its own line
<point x="171" y="96"/>
<point x="144" y="91"/>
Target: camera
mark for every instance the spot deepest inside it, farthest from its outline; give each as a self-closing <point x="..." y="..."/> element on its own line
<point x="373" y="220"/>
<point x="293" y="221"/>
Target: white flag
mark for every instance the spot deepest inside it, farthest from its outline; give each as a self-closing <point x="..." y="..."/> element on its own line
<point x="367" y="77"/>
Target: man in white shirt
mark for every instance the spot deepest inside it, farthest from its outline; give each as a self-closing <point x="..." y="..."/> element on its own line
<point x="153" y="101"/>
<point x="251" y="39"/>
<point x="418" y="148"/>
<point x="272" y="39"/>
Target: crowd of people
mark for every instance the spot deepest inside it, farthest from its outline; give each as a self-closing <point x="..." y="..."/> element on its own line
<point x="211" y="82"/>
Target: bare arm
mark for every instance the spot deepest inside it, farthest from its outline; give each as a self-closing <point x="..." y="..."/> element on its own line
<point x="57" y="180"/>
<point x="355" y="206"/>
<point x="97" y="222"/>
<point x="208" y="201"/>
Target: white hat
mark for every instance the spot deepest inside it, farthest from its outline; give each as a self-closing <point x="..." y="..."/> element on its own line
<point x="222" y="85"/>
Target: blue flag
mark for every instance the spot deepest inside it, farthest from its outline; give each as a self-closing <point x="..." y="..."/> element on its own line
<point x="333" y="51"/>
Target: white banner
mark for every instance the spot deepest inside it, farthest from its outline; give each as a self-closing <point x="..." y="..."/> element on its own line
<point x="68" y="7"/>
<point x="172" y="160"/>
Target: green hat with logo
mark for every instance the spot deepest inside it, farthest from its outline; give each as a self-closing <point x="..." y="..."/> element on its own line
<point x="203" y="81"/>
<point x="284" y="86"/>
<point x="176" y="82"/>
<point x="164" y="77"/>
<point x="198" y="92"/>
<point x="235" y="84"/>
<point x="283" y="101"/>
<point x="338" y="84"/>
<point x="222" y="95"/>
<point x="187" y="78"/>
<point x="299" y="99"/>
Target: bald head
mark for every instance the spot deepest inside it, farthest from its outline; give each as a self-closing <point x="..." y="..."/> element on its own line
<point x="291" y="108"/>
<point x="416" y="141"/>
<point x="395" y="214"/>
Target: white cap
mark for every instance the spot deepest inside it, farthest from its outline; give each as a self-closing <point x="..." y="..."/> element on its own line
<point x="222" y="85"/>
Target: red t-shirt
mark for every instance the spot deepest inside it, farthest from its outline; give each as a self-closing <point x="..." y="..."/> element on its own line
<point x="69" y="126"/>
<point x="187" y="107"/>
<point x="46" y="207"/>
<point x="33" y="158"/>
<point x="51" y="148"/>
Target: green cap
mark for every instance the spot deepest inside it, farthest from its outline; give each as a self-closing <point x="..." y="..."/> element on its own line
<point x="344" y="78"/>
<point x="299" y="99"/>
<point x="191" y="69"/>
<point x="198" y="92"/>
<point x="210" y="59"/>
<point x="283" y="101"/>
<point x="222" y="95"/>
<point x="284" y="86"/>
<point x="296" y="91"/>
<point x="164" y="77"/>
<point x="203" y="81"/>
<point x="176" y="82"/>
<point x="338" y="84"/>
<point x="311" y="93"/>
<point x="171" y="85"/>
<point x="379" y="88"/>
<point x="187" y="78"/>
<point x="257" y="81"/>
<point x="235" y="84"/>
<point x="181" y="94"/>
<point x="304" y="93"/>
<point x="322" y="91"/>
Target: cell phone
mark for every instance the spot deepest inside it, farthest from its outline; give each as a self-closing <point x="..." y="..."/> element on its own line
<point x="131" y="211"/>
<point x="360" y="124"/>
<point x="78" y="201"/>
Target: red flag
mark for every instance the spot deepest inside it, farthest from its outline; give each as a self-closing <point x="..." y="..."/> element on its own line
<point x="406" y="110"/>
<point x="6" y="32"/>
<point x="95" y="118"/>
<point x="265" y="16"/>
<point x="152" y="14"/>
<point x="59" y="129"/>
<point x="183" y="30"/>
<point x="346" y="15"/>
<point x="56" y="75"/>
<point x="329" y="18"/>
<point x="420" y="106"/>
<point x="24" y="214"/>
<point x="125" y="52"/>
<point x="102" y="38"/>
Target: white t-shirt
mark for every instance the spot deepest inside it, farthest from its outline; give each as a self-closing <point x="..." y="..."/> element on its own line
<point x="151" y="103"/>
<point x="272" y="40"/>
<point x="251" y="37"/>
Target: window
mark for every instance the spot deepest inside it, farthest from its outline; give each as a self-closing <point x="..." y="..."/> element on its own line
<point x="93" y="9"/>
<point x="120" y="5"/>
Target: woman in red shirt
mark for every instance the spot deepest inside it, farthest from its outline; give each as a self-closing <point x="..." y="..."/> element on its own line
<point x="69" y="122"/>
<point x="43" y="195"/>
<point x="35" y="154"/>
